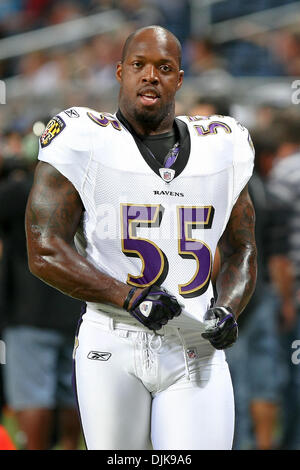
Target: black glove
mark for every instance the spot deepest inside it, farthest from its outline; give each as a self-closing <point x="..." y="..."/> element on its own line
<point x="154" y="307"/>
<point x="222" y="332"/>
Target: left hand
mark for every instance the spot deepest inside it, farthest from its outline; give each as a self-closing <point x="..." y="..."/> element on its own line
<point x="223" y="331"/>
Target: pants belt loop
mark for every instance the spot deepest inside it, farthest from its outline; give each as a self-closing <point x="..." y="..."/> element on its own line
<point x="111" y="324"/>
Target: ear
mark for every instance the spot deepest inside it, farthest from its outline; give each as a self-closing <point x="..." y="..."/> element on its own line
<point x="181" y="74"/>
<point x="119" y="72"/>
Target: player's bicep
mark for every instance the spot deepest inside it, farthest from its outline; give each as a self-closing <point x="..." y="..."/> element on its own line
<point x="54" y="206"/>
<point x="240" y="230"/>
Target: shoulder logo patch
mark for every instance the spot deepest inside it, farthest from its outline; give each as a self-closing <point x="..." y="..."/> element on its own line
<point x="54" y="127"/>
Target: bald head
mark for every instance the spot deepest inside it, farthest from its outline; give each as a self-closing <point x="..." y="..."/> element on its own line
<point x="150" y="76"/>
<point x="160" y="33"/>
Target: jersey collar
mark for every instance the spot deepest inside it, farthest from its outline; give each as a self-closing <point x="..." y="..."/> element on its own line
<point x="184" y="148"/>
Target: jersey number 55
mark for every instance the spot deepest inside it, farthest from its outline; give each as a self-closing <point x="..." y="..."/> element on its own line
<point x="155" y="264"/>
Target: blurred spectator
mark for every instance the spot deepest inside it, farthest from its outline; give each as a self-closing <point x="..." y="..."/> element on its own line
<point x="207" y="105"/>
<point x="283" y="183"/>
<point x="265" y="150"/>
<point x="207" y="66"/>
<point x="265" y="114"/>
<point x="177" y="17"/>
<point x="141" y="13"/>
<point x="64" y="10"/>
<point x="11" y="16"/>
<point x="98" y="6"/>
<point x="256" y="355"/>
<point x="44" y="73"/>
<point x="105" y="52"/>
<point x="203" y="57"/>
<point x="252" y="57"/>
<point x="286" y="45"/>
<point x="39" y="324"/>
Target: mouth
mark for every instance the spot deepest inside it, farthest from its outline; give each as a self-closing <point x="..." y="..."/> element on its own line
<point x="148" y="97"/>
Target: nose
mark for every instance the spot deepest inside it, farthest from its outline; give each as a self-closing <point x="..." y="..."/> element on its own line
<point x="150" y="74"/>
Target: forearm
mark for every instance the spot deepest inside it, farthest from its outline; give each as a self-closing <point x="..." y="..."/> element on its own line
<point x="236" y="281"/>
<point x="58" y="264"/>
<point x="53" y="214"/>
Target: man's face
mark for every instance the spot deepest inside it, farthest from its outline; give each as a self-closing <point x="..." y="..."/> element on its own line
<point x="149" y="77"/>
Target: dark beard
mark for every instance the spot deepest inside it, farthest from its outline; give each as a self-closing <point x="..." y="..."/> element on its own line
<point x="151" y="119"/>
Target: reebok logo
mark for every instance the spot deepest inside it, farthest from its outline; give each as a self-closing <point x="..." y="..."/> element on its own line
<point x="99" y="356"/>
<point x="72" y="113"/>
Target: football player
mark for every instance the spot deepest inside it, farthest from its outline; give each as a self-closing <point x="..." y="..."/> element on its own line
<point x="147" y="197"/>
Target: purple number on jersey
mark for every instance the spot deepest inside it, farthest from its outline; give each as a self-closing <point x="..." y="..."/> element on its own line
<point x="155" y="265"/>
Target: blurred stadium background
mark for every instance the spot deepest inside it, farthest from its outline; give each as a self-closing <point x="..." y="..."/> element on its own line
<point x="242" y="56"/>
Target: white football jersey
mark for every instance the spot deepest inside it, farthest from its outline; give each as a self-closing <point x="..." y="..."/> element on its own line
<point x="144" y="224"/>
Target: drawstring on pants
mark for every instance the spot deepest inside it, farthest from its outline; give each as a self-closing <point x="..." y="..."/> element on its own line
<point x="154" y="345"/>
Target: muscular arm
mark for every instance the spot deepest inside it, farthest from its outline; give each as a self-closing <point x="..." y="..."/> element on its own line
<point x="53" y="212"/>
<point x="236" y="280"/>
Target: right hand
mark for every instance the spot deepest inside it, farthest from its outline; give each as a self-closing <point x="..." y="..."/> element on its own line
<point x="154" y="307"/>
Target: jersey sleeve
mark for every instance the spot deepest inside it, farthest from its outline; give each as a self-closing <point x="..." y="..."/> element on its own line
<point x="65" y="145"/>
<point x="243" y="159"/>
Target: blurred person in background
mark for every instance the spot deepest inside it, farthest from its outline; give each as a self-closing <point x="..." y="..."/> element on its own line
<point x="207" y="66"/>
<point x="255" y="359"/>
<point x="264" y="116"/>
<point x="204" y="57"/>
<point x="286" y="45"/>
<point x="283" y="185"/>
<point x="99" y="6"/>
<point x="177" y="17"/>
<point x="208" y="105"/>
<point x="105" y="50"/>
<point x="140" y="13"/>
<point x="60" y="11"/>
<point x="38" y="321"/>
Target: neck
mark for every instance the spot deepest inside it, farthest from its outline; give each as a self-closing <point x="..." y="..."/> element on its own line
<point x="150" y="127"/>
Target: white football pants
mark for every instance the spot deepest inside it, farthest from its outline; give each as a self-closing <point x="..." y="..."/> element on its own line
<point x="140" y="390"/>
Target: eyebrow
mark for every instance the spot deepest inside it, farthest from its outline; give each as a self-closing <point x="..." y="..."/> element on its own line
<point x="164" y="59"/>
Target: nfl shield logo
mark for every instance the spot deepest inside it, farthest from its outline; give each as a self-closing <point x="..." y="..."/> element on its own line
<point x="192" y="353"/>
<point x="167" y="174"/>
<point x="145" y="308"/>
